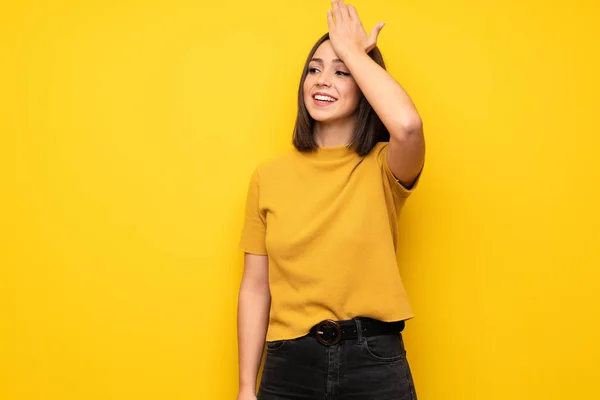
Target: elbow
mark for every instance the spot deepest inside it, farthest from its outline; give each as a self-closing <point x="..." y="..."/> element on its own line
<point x="407" y="129"/>
<point x="415" y="125"/>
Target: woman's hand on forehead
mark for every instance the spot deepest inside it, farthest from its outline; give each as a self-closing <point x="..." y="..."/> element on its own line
<point x="346" y="30"/>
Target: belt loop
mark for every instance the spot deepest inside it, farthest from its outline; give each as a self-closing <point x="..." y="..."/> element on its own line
<point x="359" y="330"/>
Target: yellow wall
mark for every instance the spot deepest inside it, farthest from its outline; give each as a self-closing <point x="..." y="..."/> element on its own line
<point x="129" y="130"/>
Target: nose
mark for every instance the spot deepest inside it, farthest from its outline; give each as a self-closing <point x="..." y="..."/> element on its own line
<point x="324" y="80"/>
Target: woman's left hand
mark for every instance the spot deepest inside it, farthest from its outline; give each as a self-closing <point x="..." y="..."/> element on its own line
<point x="347" y="33"/>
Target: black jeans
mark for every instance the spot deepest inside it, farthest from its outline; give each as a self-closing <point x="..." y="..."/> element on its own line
<point x="367" y="368"/>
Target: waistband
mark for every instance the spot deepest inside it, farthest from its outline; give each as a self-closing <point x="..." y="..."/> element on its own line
<point x="330" y="332"/>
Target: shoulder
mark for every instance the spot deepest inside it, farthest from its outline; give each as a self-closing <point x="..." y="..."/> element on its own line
<point x="276" y="164"/>
<point x="379" y="147"/>
<point x="378" y="151"/>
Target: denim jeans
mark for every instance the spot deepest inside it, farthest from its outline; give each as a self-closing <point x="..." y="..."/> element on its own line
<point x="366" y="368"/>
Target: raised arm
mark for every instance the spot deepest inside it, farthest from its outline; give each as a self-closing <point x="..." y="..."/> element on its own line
<point x="406" y="151"/>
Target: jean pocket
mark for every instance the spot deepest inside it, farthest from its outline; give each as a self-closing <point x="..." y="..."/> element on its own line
<point x="385" y="347"/>
<point x="276" y="345"/>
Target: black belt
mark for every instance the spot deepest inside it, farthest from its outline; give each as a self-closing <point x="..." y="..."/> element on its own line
<point x="330" y="332"/>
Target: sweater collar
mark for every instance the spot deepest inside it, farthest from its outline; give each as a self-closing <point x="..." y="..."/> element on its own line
<point x="331" y="153"/>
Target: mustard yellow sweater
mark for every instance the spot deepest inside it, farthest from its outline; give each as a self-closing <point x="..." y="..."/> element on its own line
<point x="328" y="222"/>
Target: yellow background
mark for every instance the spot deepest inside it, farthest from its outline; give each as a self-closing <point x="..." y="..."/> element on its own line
<point x="128" y="133"/>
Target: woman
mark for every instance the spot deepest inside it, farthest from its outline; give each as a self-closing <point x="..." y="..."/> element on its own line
<point x="320" y="281"/>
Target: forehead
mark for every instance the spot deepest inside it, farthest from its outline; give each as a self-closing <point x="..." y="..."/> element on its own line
<point x="325" y="52"/>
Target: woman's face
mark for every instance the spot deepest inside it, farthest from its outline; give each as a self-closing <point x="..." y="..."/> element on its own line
<point x="330" y="92"/>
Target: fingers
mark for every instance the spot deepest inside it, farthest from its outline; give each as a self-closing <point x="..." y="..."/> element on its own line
<point x="375" y="31"/>
<point x="374" y="35"/>
<point x="352" y="12"/>
<point x="342" y="10"/>
<point x="330" y="22"/>
<point x="336" y="11"/>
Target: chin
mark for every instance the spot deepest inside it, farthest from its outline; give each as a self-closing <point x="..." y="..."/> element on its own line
<point x="321" y="116"/>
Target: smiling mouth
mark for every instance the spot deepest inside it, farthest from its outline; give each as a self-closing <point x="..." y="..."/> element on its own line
<point x="324" y="98"/>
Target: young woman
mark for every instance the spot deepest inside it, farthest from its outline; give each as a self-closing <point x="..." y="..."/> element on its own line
<point x="321" y="284"/>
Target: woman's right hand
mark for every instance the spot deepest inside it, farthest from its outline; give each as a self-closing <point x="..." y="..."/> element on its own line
<point x="246" y="395"/>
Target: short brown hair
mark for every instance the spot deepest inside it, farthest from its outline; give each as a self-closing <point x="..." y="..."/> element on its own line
<point x="368" y="130"/>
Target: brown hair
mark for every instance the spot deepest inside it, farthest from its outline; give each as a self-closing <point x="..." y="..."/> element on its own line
<point x="368" y="129"/>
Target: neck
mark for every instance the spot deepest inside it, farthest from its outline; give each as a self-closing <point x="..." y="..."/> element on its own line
<point x="334" y="133"/>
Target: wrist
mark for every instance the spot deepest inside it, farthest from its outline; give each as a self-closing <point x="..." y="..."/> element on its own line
<point x="355" y="58"/>
<point x="247" y="388"/>
<point x="353" y="53"/>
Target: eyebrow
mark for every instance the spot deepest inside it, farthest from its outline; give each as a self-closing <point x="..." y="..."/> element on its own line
<point x="320" y="60"/>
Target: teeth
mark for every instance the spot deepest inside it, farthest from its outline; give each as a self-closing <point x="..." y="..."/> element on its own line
<point x="324" y="98"/>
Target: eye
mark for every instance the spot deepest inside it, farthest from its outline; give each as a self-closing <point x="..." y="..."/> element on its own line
<point x="343" y="73"/>
<point x="312" y="70"/>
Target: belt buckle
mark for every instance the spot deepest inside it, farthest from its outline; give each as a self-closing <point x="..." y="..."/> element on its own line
<point x="329" y="322"/>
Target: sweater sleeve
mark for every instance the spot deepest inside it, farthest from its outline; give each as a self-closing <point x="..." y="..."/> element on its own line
<point x="254" y="228"/>
<point x="397" y="188"/>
